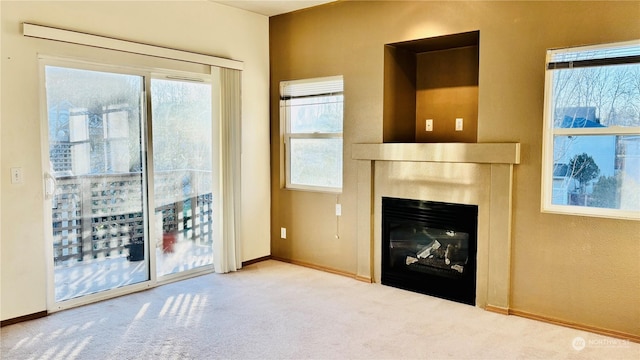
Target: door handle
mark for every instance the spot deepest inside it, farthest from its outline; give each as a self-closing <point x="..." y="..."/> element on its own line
<point x="49" y="186"/>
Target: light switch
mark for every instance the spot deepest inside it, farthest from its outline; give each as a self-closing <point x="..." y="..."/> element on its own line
<point x="16" y="175"/>
<point x="428" y="125"/>
<point x="338" y="210"/>
<point x="283" y="233"/>
<point x="459" y="122"/>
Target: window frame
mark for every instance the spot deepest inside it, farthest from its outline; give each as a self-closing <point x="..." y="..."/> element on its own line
<point x="550" y="132"/>
<point x="285" y="122"/>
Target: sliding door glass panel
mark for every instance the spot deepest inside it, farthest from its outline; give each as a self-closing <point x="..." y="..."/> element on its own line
<point x="96" y="180"/>
<point x="182" y="162"/>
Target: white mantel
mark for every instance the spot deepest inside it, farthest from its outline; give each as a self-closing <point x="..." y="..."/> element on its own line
<point x="467" y="173"/>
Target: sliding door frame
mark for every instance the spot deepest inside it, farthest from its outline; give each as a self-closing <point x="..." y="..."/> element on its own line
<point x="148" y="170"/>
<point x="226" y="103"/>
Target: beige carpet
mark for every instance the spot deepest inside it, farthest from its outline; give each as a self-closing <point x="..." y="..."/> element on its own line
<point x="274" y="310"/>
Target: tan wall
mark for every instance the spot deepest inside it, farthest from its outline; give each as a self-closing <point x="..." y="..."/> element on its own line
<point x="198" y="26"/>
<point x="570" y="268"/>
<point x="447" y="88"/>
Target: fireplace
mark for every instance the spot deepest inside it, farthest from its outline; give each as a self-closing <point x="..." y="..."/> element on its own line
<point x="452" y="173"/>
<point x="430" y="247"/>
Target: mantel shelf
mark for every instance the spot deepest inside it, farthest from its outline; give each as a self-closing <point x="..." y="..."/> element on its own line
<point x="481" y="153"/>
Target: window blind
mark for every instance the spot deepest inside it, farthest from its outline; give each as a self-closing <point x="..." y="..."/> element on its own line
<point x="627" y="53"/>
<point x="311" y="87"/>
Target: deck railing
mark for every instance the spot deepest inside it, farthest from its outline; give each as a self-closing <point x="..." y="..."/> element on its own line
<point x="96" y="216"/>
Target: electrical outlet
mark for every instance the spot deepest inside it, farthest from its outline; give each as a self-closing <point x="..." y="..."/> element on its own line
<point x="428" y="126"/>
<point x="283" y="233"/>
<point x="459" y="123"/>
<point x="338" y="210"/>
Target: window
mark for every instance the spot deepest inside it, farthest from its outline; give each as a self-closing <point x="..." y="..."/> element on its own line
<point x="591" y="151"/>
<point x="311" y="111"/>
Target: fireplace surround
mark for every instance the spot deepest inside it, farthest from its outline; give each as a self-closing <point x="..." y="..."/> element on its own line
<point x="478" y="174"/>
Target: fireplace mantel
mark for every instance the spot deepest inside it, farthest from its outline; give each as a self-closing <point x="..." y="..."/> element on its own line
<point x="466" y="173"/>
<point x="478" y="153"/>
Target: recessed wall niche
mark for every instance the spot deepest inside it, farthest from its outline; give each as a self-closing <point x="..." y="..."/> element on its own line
<point x="433" y="78"/>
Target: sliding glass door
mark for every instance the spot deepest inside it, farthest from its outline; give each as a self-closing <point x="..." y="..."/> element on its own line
<point x="95" y="181"/>
<point x="182" y="174"/>
<point x="128" y="178"/>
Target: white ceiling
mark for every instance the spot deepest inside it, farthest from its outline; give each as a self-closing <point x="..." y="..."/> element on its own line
<point x="271" y="7"/>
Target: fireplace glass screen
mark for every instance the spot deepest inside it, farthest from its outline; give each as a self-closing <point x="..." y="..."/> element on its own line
<point x="430" y="247"/>
<point x="428" y="250"/>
